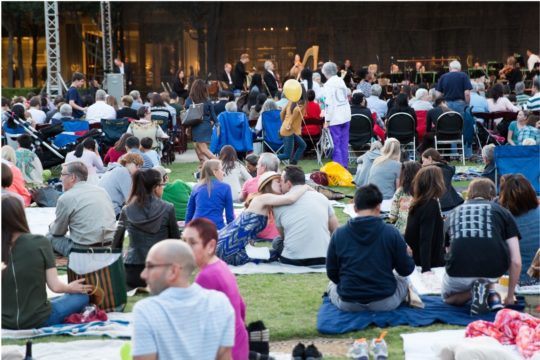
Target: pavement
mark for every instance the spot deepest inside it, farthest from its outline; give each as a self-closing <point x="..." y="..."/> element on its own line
<point x="188" y="157"/>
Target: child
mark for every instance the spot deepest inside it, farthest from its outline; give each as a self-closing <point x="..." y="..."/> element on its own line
<point x="146" y="148"/>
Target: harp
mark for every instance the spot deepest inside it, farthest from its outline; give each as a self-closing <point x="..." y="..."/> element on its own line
<point x="312" y="52"/>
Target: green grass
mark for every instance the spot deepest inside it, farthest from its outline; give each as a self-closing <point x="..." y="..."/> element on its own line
<point x="288" y="304"/>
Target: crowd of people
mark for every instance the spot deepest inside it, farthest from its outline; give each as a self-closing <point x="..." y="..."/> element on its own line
<point x="477" y="236"/>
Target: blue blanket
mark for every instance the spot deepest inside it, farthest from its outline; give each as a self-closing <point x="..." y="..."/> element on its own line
<point x="331" y="320"/>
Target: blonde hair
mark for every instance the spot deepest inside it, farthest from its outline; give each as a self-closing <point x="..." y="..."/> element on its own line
<point x="390" y="151"/>
<point x="8" y="153"/>
<point x="207" y="172"/>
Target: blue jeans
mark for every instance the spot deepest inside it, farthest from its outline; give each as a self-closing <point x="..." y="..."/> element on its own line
<point x="288" y="148"/>
<point x="459" y="106"/>
<point x="65" y="305"/>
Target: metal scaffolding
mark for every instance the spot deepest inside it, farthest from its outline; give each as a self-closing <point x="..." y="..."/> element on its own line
<point x="107" y="37"/>
<point x="54" y="78"/>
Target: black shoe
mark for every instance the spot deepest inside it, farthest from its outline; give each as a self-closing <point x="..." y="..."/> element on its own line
<point x="312" y="353"/>
<point x="480" y="294"/>
<point x="299" y="352"/>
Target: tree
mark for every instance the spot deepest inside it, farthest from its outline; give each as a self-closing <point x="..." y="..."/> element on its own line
<point x="35" y="20"/>
<point x="11" y="23"/>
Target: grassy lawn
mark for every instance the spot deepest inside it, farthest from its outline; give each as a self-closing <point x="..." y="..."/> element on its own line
<point x="288" y="304"/>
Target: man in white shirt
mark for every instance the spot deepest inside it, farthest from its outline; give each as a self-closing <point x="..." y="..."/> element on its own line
<point x="181" y="320"/>
<point x="35" y="110"/>
<point x="533" y="59"/>
<point x="100" y="110"/>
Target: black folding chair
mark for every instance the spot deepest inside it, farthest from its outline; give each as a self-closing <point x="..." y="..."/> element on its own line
<point x="449" y="131"/>
<point x="402" y="126"/>
<point x="360" y="134"/>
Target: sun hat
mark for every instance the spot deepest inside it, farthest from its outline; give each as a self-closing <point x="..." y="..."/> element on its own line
<point x="162" y="171"/>
<point x="266" y="178"/>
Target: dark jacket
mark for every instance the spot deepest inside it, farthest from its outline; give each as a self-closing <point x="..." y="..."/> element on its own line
<point x="271" y="83"/>
<point x="450" y="198"/>
<point x="361" y="257"/>
<point x="239" y="76"/>
<point x="126" y="112"/>
<point x="489" y="172"/>
<point x="146" y="225"/>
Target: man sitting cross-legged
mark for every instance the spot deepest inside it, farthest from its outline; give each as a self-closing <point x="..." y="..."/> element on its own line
<point x="181" y="320"/>
<point x="484" y="244"/>
<point x="362" y="256"/>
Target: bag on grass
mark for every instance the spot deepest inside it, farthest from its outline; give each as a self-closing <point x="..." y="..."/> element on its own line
<point x="104" y="269"/>
<point x="337" y="174"/>
<point x="45" y="196"/>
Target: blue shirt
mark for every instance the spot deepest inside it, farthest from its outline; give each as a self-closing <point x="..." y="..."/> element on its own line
<point x="148" y="164"/>
<point x="529" y="228"/>
<point x="183" y="323"/>
<point x="73" y="94"/>
<point x="478" y="103"/>
<point x="453" y="85"/>
<point x="202" y="205"/>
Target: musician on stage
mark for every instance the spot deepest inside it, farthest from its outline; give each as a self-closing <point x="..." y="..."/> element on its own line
<point x="511" y="72"/>
<point x="270" y="78"/>
<point x="532" y="59"/>
<point x="226" y="76"/>
<point x="240" y="74"/>
<point x="297" y="67"/>
<point x="347" y="73"/>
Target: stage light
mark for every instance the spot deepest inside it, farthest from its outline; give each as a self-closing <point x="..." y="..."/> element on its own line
<point x="286" y="28"/>
<point x="271" y="29"/>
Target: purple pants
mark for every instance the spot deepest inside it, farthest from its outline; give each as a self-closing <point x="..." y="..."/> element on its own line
<point x="340" y="137"/>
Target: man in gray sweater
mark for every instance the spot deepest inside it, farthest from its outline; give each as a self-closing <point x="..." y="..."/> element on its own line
<point x="85" y="210"/>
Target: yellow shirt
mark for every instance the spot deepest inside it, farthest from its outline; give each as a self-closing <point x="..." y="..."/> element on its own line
<point x="291" y="121"/>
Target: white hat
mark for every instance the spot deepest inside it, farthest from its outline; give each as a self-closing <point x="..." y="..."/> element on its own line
<point x="163" y="171"/>
<point x="266" y="178"/>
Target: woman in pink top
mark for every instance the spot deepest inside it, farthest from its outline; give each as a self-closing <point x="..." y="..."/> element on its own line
<point x="498" y="102"/>
<point x="17" y="186"/>
<point x="87" y="152"/>
<point x="201" y="234"/>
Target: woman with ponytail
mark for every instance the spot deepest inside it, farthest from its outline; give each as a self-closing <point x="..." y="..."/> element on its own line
<point x="148" y="220"/>
<point x="87" y="152"/>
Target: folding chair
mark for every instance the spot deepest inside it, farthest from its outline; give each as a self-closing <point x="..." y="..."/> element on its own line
<point x="402" y="126"/>
<point x="232" y="128"/>
<point x="271" y="123"/>
<point x="449" y="131"/>
<point x="312" y="130"/>
<point x="360" y="134"/>
<point x="72" y="131"/>
<point x="113" y="129"/>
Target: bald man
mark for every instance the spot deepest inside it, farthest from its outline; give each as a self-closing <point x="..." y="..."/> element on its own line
<point x="181" y="320"/>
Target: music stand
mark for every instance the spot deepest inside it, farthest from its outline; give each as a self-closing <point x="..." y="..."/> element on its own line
<point x="396" y="77"/>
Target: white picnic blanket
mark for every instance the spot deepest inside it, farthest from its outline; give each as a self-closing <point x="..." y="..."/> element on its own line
<point x="274" y="268"/>
<point x="349" y="208"/>
<point x="39" y="219"/>
<point x="119" y="325"/>
<point x="427" y="283"/>
<point x="427" y="345"/>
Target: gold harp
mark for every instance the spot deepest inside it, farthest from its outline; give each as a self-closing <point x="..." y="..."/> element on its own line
<point x="311" y="52"/>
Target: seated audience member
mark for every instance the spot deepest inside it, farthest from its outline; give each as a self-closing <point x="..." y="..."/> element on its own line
<point x="201" y="235"/>
<point x="65" y="114"/>
<point x="403" y="197"/>
<point x="17" y="185"/>
<point x="148" y="149"/>
<point x="450" y="198"/>
<point x="484" y="245"/>
<point x="100" y="109"/>
<point x="365" y="162"/>
<point x="35" y="110"/>
<point x="488" y="157"/>
<point x="30" y="268"/>
<point x="498" y="102"/>
<point x="146" y="127"/>
<point x="358" y="106"/>
<point x="234" y="238"/>
<point x="478" y="101"/>
<point x="401" y="104"/>
<point x="166" y="98"/>
<point x="87" y="152"/>
<point x="211" y="196"/>
<point x="362" y="256"/>
<point x="428" y="140"/>
<point x="518" y="196"/>
<point x="376" y="104"/>
<point x="236" y="173"/>
<point x="115" y="152"/>
<point x="421" y="101"/>
<point x="7" y="180"/>
<point x="223" y="99"/>
<point x="85" y="210"/>
<point x="148" y="220"/>
<point x="111" y="100"/>
<point x="137" y="101"/>
<point x="424" y="232"/>
<point x="385" y="169"/>
<point x="117" y="180"/>
<point x="313" y="109"/>
<point x="268" y="105"/>
<point x="521" y="97"/>
<point x="126" y="111"/>
<point x="533" y="103"/>
<point x="177" y="193"/>
<point x="519" y="130"/>
<point x="132" y="146"/>
<point x="28" y="162"/>
<point x="305" y="238"/>
<point x="267" y="162"/>
<point x="255" y="110"/>
<point x="251" y="164"/>
<point x="156" y="329"/>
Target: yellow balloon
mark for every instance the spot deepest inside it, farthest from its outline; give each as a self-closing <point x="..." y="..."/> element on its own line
<point x="292" y="90"/>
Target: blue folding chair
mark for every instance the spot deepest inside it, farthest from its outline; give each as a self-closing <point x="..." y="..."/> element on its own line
<point x="271" y="123"/>
<point x="72" y="131"/>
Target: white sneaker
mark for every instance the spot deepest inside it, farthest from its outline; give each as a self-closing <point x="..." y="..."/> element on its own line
<point x="359" y="350"/>
<point x="378" y="349"/>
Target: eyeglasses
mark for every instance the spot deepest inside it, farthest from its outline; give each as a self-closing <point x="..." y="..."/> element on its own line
<point x="65" y="174"/>
<point x="150" y="266"/>
<point x="163" y="184"/>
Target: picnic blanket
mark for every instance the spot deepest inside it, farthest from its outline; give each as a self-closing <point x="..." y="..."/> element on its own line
<point x="331" y="320"/>
<point x="275" y="268"/>
<point x="427" y="345"/>
<point x="118" y="326"/>
<point x="385" y="208"/>
<point x="80" y="349"/>
<point x="39" y="219"/>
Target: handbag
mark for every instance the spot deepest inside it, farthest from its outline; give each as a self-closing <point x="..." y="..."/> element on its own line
<point x="193" y="116"/>
<point x="103" y="268"/>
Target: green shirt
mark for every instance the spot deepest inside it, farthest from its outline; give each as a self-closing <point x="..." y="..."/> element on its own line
<point x="177" y="193"/>
<point x="24" y="294"/>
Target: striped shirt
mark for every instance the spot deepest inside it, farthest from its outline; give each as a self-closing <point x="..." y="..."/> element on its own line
<point x="533" y="103"/>
<point x="183" y="323"/>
